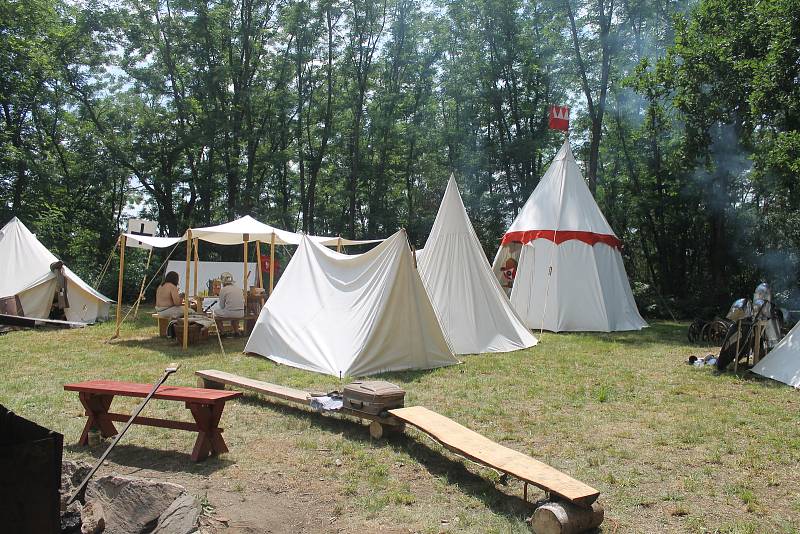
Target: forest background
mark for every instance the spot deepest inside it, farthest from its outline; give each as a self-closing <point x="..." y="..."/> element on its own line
<point x="348" y="116"/>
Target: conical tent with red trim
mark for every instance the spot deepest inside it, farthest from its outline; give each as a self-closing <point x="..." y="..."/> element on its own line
<point x="560" y="260"/>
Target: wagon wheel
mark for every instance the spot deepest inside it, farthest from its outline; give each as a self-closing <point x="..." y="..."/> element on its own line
<point x="694" y="331"/>
<point x="704" y="333"/>
<point x="717" y="330"/>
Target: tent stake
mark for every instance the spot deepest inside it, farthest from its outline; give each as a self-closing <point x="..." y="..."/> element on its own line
<point x="186" y="293"/>
<point x="119" y="284"/>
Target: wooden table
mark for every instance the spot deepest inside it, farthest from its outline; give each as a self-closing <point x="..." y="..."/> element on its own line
<point x="206" y="406"/>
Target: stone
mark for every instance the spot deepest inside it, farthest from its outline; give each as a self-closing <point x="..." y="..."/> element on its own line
<point x="181" y="517"/>
<point x="131" y="505"/>
<point x="92" y="520"/>
<point x="72" y="474"/>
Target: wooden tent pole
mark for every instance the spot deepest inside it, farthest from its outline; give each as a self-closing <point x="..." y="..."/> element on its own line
<point x="186" y="293"/>
<point x="122" y="244"/>
<point x="272" y="263"/>
<point x="244" y="276"/>
<point x="196" y="265"/>
<point x="258" y="265"/>
<point x="339" y="244"/>
<point x="141" y="288"/>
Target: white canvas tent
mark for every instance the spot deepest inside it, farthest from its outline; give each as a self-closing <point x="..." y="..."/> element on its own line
<point x="569" y="270"/>
<point x="351" y="315"/>
<point x="25" y="273"/>
<point x="783" y="362"/>
<point x="472" y="307"/>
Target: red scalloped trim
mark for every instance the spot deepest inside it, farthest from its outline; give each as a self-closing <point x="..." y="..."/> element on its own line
<point x="590" y="238"/>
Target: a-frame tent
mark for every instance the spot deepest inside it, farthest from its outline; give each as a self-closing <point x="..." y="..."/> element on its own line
<point x="351" y="315"/>
<point x="783" y="362"/>
<point x="472" y="308"/>
<point x="26" y="273"/>
<point x="564" y="258"/>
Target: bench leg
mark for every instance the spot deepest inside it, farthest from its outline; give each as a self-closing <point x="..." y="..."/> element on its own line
<point x="209" y="437"/>
<point x="96" y="410"/>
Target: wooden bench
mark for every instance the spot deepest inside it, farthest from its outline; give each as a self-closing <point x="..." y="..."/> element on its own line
<point x="205" y="405"/>
<point x="163" y="323"/>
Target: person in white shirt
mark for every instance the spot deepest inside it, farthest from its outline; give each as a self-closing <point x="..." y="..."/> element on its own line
<point x="231" y="302"/>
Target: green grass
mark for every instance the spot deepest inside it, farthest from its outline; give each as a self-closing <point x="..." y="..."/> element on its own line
<point x="671" y="448"/>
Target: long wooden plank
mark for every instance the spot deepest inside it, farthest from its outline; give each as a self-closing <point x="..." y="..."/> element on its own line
<point x="19" y="320"/>
<point x="478" y="448"/>
<point x="131" y="389"/>
<point x="265" y="388"/>
<point x="281" y="392"/>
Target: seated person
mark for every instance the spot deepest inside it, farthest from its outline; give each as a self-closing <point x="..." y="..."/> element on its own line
<point x="231" y="302"/>
<point x="169" y="303"/>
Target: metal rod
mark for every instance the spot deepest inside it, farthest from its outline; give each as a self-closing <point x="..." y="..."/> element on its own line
<point x="173" y="367"/>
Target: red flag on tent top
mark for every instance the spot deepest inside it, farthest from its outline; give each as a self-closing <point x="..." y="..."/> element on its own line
<point x="559" y="118"/>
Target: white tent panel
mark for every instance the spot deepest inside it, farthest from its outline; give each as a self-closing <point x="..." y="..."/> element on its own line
<point x="37" y="300"/>
<point x="83" y="306"/>
<point x="351" y="315"/>
<point x="783" y="362"/>
<point x="562" y="201"/>
<point x="472" y="307"/>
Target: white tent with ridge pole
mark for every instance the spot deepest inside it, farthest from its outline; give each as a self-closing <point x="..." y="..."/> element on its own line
<point x="472" y="307"/>
<point x="560" y="260"/>
<point x="351" y="315"/>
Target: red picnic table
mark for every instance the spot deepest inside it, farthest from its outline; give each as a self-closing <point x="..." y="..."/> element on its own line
<point x="206" y="406"/>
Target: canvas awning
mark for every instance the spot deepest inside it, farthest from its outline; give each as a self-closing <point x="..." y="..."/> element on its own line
<point x="249" y="229"/>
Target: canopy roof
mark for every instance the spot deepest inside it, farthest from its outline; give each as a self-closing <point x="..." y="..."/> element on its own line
<point x="25" y="262"/>
<point x="783" y="362"/>
<point x="351" y="315"/>
<point x="561" y="208"/>
<point x="244" y="229"/>
<point x="472" y="307"/>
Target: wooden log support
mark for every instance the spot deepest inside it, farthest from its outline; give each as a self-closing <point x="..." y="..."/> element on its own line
<point x="196" y="266"/>
<point x="122" y="244"/>
<point x="272" y="263"/>
<point x="185" y="342"/>
<point x="258" y="264"/>
<point x="561" y="517"/>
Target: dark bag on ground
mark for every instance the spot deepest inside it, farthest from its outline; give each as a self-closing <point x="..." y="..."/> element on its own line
<point x="373" y="397"/>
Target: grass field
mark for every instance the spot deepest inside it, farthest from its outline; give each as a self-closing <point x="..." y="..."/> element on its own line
<point x="671" y="448"/>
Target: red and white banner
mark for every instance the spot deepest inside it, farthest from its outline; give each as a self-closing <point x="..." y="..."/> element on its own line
<point x="559" y="118"/>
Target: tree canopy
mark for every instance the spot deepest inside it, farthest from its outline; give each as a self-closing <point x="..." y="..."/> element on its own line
<point x="348" y="116"/>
